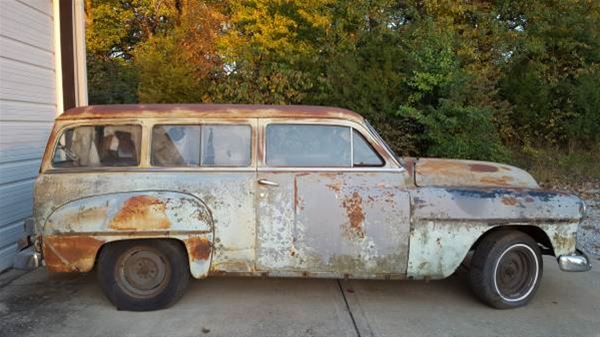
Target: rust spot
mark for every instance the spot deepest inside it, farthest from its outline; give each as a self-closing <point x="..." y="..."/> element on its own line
<point x="564" y="242"/>
<point x="75" y="253"/>
<point x="482" y="168"/>
<point x="199" y="248"/>
<point x="409" y="163"/>
<point x="497" y="181"/>
<point x="295" y="193"/>
<point x="510" y="201"/>
<point x="335" y="187"/>
<point x="356" y="216"/>
<point x="141" y="213"/>
<point x="231" y="266"/>
<point x="439" y="166"/>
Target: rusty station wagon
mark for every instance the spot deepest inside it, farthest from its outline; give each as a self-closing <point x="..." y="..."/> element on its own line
<point x="150" y="194"/>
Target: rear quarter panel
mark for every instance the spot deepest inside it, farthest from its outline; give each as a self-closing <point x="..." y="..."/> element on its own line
<point x="77" y="213"/>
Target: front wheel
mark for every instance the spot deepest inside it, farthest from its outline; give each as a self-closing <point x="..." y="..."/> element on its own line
<point x="506" y="269"/>
<point x="144" y="274"/>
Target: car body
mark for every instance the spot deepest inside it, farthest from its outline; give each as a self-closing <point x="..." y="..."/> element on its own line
<point x="279" y="191"/>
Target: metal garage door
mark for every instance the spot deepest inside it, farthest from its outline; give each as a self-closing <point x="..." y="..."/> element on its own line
<point x="27" y="108"/>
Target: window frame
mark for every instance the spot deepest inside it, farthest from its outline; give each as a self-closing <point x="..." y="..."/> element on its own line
<point x="246" y="122"/>
<point x="61" y="131"/>
<point x="389" y="164"/>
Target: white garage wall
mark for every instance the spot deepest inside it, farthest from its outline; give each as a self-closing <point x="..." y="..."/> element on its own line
<point x="27" y="108"/>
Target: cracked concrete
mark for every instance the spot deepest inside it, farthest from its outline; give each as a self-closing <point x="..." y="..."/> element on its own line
<point x="40" y="304"/>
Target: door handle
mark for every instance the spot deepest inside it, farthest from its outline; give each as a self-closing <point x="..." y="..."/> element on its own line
<point x="267" y="182"/>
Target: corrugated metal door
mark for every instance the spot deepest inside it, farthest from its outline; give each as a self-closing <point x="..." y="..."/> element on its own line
<point x="27" y="108"/>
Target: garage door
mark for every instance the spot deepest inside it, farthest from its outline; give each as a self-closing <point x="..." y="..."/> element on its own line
<point x="27" y="108"/>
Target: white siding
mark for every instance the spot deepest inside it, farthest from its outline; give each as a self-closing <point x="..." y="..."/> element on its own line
<point x="27" y="109"/>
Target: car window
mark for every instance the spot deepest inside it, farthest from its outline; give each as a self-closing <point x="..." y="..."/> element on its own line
<point x="208" y="145"/>
<point x="98" y="146"/>
<point x="226" y="145"/>
<point x="304" y="145"/>
<point x="363" y="152"/>
<point x="176" y="145"/>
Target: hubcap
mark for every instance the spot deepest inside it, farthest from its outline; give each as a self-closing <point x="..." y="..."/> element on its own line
<point x="142" y="272"/>
<point x="516" y="273"/>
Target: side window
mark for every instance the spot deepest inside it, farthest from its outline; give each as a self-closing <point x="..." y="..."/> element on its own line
<point x="364" y="154"/>
<point x="212" y="145"/>
<point x="226" y="145"/>
<point x="304" y="145"/>
<point x="176" y="145"/>
<point x="98" y="146"/>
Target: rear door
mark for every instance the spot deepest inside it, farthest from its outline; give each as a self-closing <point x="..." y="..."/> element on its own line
<point x="328" y="202"/>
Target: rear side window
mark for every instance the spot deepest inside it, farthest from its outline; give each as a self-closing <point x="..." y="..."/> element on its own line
<point x="305" y="145"/>
<point x="98" y="146"/>
<point x="207" y="145"/>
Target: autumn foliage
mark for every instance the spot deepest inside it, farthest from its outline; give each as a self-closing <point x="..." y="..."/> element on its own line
<point x="467" y="79"/>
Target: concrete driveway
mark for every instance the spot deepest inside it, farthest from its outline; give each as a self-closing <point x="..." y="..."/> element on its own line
<point x="567" y="304"/>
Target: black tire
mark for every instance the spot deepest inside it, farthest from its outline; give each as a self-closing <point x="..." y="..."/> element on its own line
<point x="143" y="275"/>
<point x="506" y="269"/>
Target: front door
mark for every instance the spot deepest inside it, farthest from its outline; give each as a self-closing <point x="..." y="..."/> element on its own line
<point x="328" y="203"/>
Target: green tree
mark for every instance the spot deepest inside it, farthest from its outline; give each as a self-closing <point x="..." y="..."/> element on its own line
<point x="551" y="77"/>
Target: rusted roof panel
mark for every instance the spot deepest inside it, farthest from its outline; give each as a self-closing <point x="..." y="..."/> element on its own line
<point x="207" y="110"/>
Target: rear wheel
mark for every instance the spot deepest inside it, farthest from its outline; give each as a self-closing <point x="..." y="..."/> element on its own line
<point x="506" y="269"/>
<point x="143" y="275"/>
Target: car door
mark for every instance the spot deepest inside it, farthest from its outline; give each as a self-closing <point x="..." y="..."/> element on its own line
<point x="328" y="203"/>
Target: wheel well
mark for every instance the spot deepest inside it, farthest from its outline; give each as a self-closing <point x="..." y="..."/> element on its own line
<point x="180" y="243"/>
<point x="535" y="232"/>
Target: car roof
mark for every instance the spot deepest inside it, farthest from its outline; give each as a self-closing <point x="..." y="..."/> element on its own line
<point x="207" y="111"/>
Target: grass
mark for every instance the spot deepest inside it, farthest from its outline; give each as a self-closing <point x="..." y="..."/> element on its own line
<point x="554" y="167"/>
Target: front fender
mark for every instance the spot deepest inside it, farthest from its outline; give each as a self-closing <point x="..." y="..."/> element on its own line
<point x="446" y="222"/>
<point x="73" y="234"/>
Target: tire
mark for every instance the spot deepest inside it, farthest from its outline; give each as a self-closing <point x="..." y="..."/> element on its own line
<point x="506" y="269"/>
<point x="143" y="275"/>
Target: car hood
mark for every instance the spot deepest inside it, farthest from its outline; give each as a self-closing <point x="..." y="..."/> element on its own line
<point x="469" y="173"/>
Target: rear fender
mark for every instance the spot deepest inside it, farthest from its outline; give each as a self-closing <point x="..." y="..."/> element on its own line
<point x="74" y="233"/>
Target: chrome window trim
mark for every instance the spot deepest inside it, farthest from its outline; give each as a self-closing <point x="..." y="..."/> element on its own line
<point x="127" y="169"/>
<point x="330" y="169"/>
